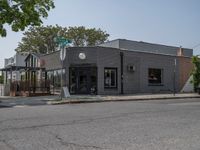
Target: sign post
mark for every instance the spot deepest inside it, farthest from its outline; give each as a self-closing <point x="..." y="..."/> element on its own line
<point x="62" y="57"/>
<point x="62" y="42"/>
<point x="174" y="84"/>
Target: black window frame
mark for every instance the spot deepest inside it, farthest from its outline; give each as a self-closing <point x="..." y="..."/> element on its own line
<point x="161" y="83"/>
<point x="116" y="80"/>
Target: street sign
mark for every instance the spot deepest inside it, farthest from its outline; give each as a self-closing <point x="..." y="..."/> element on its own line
<point x="62" y="54"/>
<point x="62" y="41"/>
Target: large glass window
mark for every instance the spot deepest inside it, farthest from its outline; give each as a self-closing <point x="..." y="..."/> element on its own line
<point x="110" y="77"/>
<point x="55" y="77"/>
<point x="50" y="77"/>
<point x="155" y="76"/>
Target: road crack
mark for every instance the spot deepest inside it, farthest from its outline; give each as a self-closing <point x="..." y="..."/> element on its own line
<point x="71" y="144"/>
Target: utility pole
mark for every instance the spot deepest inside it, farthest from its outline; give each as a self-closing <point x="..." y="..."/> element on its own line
<point x="62" y="42"/>
<point x="174" y="84"/>
<point x="62" y="58"/>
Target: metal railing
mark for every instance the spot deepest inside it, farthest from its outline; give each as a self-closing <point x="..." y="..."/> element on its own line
<point x="36" y="87"/>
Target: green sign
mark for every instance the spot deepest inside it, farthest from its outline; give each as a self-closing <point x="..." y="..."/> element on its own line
<point x="62" y="41"/>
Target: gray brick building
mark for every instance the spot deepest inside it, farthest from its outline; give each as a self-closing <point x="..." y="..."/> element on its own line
<point x="121" y="67"/>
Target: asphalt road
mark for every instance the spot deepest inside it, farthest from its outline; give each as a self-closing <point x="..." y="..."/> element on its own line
<point x="141" y="125"/>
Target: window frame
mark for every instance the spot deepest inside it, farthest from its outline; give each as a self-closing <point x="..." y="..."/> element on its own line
<point x="161" y="78"/>
<point x="116" y="78"/>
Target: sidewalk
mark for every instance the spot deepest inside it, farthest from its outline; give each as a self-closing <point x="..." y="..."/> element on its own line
<point x="73" y="99"/>
<point x="7" y="101"/>
<point x="98" y="98"/>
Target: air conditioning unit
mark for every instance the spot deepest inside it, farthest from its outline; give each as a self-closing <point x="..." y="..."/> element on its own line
<point x="131" y="68"/>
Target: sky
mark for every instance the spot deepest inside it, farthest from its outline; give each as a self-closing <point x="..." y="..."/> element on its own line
<point x="168" y="22"/>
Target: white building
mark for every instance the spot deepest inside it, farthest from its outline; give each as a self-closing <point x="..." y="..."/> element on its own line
<point x="16" y="60"/>
<point x="11" y="71"/>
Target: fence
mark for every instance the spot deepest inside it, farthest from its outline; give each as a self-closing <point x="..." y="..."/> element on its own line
<point x="1" y="90"/>
<point x="27" y="88"/>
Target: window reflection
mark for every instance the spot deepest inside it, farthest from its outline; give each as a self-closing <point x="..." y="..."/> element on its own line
<point x="54" y="76"/>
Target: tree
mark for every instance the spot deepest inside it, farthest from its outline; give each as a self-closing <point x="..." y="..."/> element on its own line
<point x="196" y="72"/>
<point x="21" y="13"/>
<point x="41" y="39"/>
<point x="81" y="36"/>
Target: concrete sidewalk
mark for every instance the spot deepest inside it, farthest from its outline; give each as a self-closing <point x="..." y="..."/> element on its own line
<point x="98" y="98"/>
<point x="7" y="101"/>
<point x="55" y="100"/>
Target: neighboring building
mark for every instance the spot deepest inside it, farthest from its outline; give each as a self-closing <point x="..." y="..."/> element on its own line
<point x="115" y="67"/>
<point x="25" y="75"/>
<point x="12" y="71"/>
<point x="13" y="62"/>
<point x="35" y="67"/>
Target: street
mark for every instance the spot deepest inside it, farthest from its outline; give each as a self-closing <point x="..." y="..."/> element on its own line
<point x="138" y="125"/>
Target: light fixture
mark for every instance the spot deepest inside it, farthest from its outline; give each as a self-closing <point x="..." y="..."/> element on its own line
<point x="82" y="56"/>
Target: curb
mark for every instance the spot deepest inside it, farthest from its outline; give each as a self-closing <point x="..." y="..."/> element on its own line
<point x="118" y="100"/>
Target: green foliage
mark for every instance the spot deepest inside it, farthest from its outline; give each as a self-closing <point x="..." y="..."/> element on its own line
<point x="81" y="36"/>
<point x="1" y="79"/>
<point x="21" y="13"/>
<point x="41" y="39"/>
<point x="196" y="72"/>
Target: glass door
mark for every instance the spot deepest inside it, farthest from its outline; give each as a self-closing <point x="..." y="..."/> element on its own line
<point x="83" y="80"/>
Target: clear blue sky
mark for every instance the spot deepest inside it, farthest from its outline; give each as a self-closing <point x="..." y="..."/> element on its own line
<point x="169" y="22"/>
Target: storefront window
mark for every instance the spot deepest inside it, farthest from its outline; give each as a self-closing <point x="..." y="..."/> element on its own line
<point x="55" y="77"/>
<point x="155" y="76"/>
<point x="50" y="77"/>
<point x="110" y="77"/>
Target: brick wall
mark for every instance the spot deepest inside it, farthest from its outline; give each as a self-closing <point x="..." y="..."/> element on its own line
<point x="185" y="69"/>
